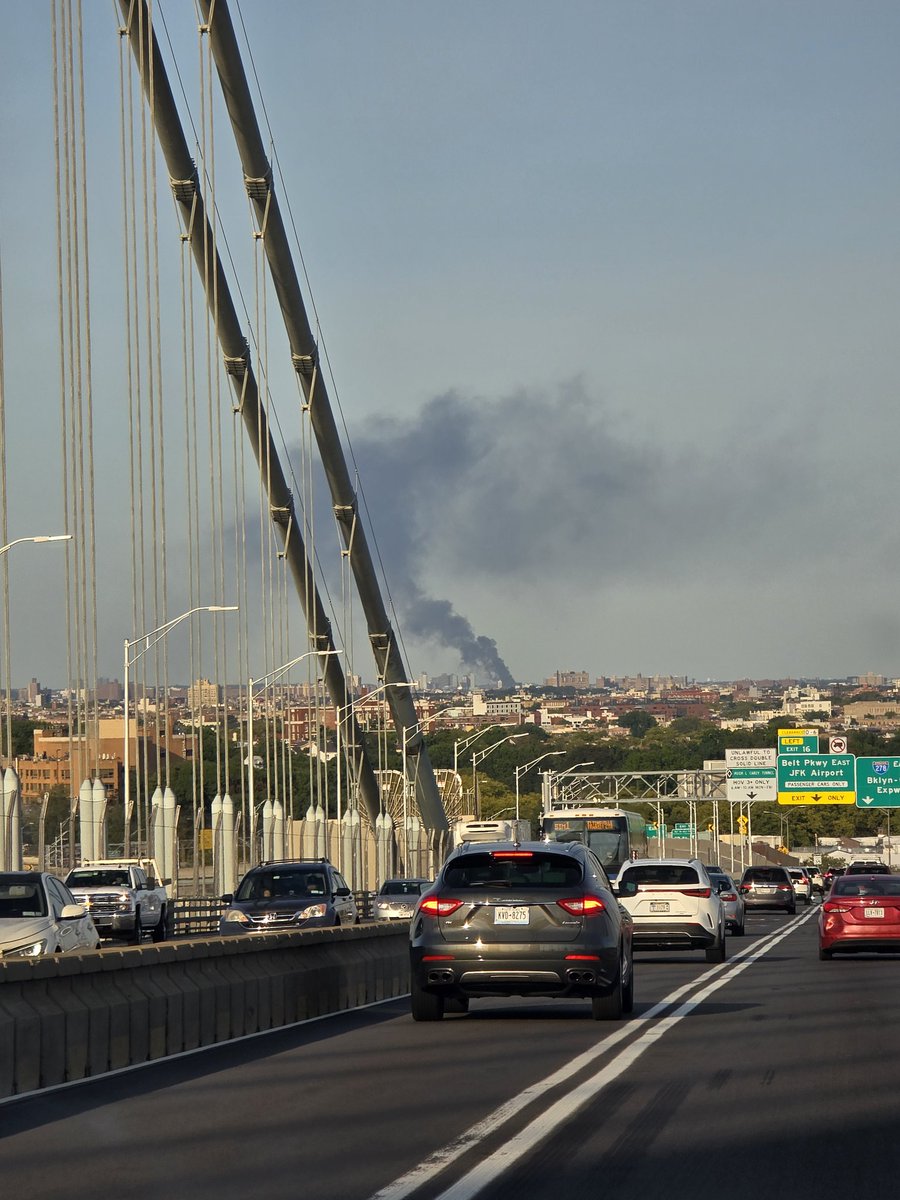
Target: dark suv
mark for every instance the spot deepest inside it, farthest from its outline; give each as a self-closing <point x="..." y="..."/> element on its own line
<point x="520" y="919"/>
<point x="301" y="894"/>
<point x="768" y="887"/>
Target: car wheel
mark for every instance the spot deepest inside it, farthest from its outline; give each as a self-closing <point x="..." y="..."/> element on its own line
<point x="426" y="1006"/>
<point x="824" y="955"/>
<point x="808" y="901"/>
<point x="738" y="930"/>
<point x="792" y="910"/>
<point x="628" y="991"/>
<point x="716" y="953"/>
<point x="159" y="929"/>
<point x="456" y="1004"/>
<point x="611" y="1006"/>
<point x="135" y="938"/>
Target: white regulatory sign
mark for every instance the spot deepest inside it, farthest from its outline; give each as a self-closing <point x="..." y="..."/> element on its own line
<point x="837" y="745"/>
<point x="750" y="774"/>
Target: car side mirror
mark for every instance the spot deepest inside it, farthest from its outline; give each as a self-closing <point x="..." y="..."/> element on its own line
<point x="344" y="891"/>
<point x="627" y="887"/>
<point x="228" y="898"/>
<point x="722" y="886"/>
<point x="72" y="912"/>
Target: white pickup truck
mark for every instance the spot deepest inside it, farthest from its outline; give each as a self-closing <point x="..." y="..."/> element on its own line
<point x="125" y="897"/>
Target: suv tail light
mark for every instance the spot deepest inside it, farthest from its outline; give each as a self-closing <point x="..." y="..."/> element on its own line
<point x="583" y="906"/>
<point x="785" y="887"/>
<point x="701" y="892"/>
<point x="439" y="906"/>
<point x="728" y="895"/>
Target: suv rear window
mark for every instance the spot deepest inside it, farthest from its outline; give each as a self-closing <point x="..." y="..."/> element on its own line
<point x="514" y="868"/>
<point x="661" y="873"/>
<point x="765" y="874"/>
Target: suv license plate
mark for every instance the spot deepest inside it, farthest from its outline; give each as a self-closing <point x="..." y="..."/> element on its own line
<point x="509" y="915"/>
<point x="659" y="906"/>
<point x="874" y="912"/>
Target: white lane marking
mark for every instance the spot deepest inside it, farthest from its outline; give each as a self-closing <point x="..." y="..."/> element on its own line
<point x="492" y="1166"/>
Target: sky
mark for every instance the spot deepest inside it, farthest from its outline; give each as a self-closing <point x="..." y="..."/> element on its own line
<point x="610" y="294"/>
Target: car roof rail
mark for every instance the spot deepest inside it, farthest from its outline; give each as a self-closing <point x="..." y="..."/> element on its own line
<point x="291" y="862"/>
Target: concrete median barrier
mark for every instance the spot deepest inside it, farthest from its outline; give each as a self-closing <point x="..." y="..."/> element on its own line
<point x="71" y="1017"/>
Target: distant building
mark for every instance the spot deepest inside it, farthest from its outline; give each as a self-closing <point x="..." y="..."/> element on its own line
<point x="569" y="679"/>
<point x="203" y="694"/>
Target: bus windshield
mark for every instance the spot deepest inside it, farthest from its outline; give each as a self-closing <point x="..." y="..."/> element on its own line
<point x="607" y="837"/>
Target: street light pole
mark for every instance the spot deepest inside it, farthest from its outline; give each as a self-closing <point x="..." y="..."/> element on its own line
<point x="522" y="770"/>
<point x="464" y="743"/>
<point x="262" y="682"/>
<point x="480" y="756"/>
<point x="156" y="635"/>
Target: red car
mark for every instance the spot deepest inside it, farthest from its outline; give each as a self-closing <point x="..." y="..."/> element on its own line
<point x="862" y="913"/>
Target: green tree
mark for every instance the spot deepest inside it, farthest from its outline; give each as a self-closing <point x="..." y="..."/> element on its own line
<point x="637" y="722"/>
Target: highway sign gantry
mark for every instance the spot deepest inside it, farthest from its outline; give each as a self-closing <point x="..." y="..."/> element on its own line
<point x="816" y="779"/>
<point x="878" y="782"/>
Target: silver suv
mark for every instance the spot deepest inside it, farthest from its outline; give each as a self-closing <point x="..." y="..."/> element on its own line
<point x="299" y="894"/>
<point x="674" y="906"/>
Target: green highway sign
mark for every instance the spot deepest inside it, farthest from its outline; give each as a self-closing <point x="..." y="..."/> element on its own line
<point x="653" y="831"/>
<point x="816" y="779"/>
<point x="798" y="741"/>
<point x="878" y="782"/>
<point x="682" y="830"/>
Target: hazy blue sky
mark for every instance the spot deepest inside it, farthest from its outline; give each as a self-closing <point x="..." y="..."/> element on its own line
<point x="611" y="292"/>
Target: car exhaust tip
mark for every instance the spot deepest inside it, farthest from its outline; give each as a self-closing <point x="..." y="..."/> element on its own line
<point x="441" y="975"/>
<point x="580" y="976"/>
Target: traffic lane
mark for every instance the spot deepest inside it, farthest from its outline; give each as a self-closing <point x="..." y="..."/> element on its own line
<point x="294" y="1101"/>
<point x="786" y="1074"/>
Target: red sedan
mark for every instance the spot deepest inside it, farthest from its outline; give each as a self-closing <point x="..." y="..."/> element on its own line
<point x="862" y="913"/>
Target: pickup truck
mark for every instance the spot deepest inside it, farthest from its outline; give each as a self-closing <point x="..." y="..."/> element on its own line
<point x="125" y="897"/>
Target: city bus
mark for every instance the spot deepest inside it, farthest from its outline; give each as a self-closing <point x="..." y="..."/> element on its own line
<point x="615" y="835"/>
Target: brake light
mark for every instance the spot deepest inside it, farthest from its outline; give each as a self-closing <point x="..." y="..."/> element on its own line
<point x="700" y="892"/>
<point x="833" y="906"/>
<point x="439" y="906"/>
<point x="582" y="958"/>
<point x="785" y="887"/>
<point x="512" y="854"/>
<point x="746" y="887"/>
<point x="583" y="906"/>
<point x="728" y="895"/>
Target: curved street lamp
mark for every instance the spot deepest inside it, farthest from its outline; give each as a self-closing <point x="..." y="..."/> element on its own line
<point x="480" y="756"/>
<point x="151" y="639"/>
<point x="261" y="682"/>
<point x="520" y="771"/>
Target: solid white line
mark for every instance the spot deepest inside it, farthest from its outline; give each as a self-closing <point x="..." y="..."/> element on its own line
<point x="492" y="1166"/>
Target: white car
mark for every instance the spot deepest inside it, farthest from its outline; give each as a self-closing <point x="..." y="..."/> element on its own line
<point x="396" y="899"/>
<point x="801" y="883"/>
<point x="674" y="906"/>
<point x="38" y="915"/>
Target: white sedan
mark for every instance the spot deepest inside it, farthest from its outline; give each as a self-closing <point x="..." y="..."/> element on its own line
<point x="39" y="915"/>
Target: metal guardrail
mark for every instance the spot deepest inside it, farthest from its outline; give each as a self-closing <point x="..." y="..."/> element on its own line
<point x="196" y="916"/>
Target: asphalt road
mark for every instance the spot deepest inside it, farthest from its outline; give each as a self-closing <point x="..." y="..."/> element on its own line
<point x="772" y="1070"/>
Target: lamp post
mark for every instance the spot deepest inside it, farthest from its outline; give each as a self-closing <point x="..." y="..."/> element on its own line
<point x="480" y="756"/>
<point x="150" y="640"/>
<point x="410" y="730"/>
<point x="262" y="682"/>
<point x="464" y="743"/>
<point x="344" y="708"/>
<point x="520" y="771"/>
